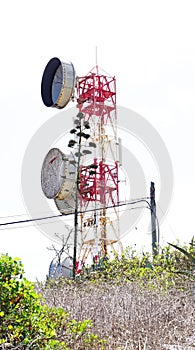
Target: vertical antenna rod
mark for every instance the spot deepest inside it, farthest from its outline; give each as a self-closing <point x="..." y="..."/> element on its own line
<point x="96" y="59"/>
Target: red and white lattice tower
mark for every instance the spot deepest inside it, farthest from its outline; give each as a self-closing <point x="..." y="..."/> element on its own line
<point x="99" y="187"/>
<point x="96" y="169"/>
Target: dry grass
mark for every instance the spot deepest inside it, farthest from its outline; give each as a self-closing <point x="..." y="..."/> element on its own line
<point x="128" y="316"/>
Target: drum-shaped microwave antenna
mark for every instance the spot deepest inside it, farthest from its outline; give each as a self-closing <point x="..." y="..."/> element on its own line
<point x="52" y="172"/>
<point x="58" y="180"/>
<point x="58" y="82"/>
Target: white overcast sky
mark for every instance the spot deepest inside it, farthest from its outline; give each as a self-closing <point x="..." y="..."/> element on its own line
<point x="148" y="45"/>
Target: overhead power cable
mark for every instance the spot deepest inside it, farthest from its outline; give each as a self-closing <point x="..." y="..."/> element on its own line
<point x="68" y="214"/>
<point x="54" y="221"/>
<point x="52" y="211"/>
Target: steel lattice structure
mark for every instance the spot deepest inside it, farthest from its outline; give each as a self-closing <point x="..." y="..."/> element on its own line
<point x="99" y="181"/>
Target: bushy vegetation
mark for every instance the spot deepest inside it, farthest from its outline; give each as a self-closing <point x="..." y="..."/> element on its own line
<point x="132" y="302"/>
<point x="27" y="322"/>
<point x="162" y="270"/>
<point x="135" y="301"/>
<point x="128" y="316"/>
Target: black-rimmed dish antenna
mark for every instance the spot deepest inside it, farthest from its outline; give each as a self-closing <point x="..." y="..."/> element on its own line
<point x="58" y="83"/>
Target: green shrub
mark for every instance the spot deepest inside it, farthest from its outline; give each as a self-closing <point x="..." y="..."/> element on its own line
<point x="189" y="255"/>
<point x="27" y="323"/>
<point x="159" y="269"/>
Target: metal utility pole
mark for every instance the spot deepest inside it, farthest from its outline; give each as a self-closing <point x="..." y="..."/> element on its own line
<point x="75" y="225"/>
<point x="153" y="217"/>
<point x="76" y="204"/>
<point x="79" y="130"/>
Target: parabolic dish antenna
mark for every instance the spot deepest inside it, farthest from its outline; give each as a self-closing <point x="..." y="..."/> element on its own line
<point x="58" y="82"/>
<point x="60" y="268"/>
<point x="58" y="176"/>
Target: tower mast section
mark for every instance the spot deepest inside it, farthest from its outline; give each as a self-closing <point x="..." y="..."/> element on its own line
<point x="97" y="101"/>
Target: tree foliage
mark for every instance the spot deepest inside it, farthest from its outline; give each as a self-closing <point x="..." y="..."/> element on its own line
<point x="26" y="322"/>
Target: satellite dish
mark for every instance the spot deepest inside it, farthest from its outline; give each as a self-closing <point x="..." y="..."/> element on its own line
<point x="58" y="82"/>
<point x="60" y="269"/>
<point x="58" y="176"/>
<point x="52" y="173"/>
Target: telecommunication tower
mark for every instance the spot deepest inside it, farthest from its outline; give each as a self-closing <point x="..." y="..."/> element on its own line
<point x="98" y="168"/>
<point x="99" y="189"/>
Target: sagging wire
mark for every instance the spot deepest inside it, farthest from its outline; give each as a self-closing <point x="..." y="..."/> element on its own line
<point x="61" y="216"/>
